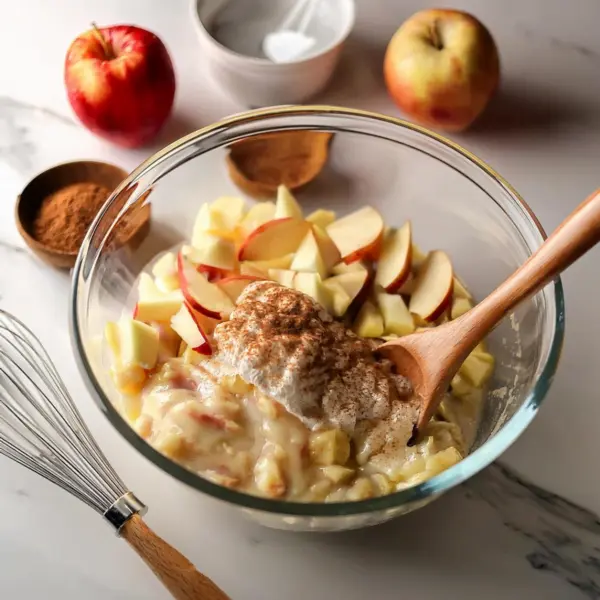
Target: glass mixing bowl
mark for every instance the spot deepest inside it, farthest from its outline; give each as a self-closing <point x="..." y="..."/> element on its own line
<point x="455" y="202"/>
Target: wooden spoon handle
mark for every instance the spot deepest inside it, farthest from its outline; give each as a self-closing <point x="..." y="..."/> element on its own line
<point x="573" y="238"/>
<point x="175" y="571"/>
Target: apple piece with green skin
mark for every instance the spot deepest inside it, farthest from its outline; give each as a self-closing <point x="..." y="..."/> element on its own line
<point x="358" y="235"/>
<point x="234" y="285"/>
<point x="396" y="316"/>
<point x="188" y="328"/>
<point x="394" y="263"/>
<point x="433" y="287"/>
<point x="120" y="83"/>
<point x="273" y="239"/>
<point x="202" y="295"/>
<point x="441" y="68"/>
<point x="286" y="205"/>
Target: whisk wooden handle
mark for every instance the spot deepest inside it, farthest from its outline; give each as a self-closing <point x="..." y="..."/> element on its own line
<point x="175" y="571"/>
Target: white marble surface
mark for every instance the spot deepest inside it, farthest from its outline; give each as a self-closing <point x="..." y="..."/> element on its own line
<point x="542" y="134"/>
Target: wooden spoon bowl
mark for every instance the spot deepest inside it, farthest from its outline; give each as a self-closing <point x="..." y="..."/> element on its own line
<point x="431" y="358"/>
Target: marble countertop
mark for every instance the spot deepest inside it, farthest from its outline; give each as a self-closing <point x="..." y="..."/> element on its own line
<point x="494" y="537"/>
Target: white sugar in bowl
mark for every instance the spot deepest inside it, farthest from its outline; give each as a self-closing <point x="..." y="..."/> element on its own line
<point x="231" y="33"/>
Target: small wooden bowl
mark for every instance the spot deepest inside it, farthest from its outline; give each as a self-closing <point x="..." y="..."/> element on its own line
<point x="259" y="164"/>
<point x="49" y="181"/>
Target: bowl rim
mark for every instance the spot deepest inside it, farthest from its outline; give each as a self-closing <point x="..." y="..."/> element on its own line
<point x="483" y="456"/>
<point x="244" y="59"/>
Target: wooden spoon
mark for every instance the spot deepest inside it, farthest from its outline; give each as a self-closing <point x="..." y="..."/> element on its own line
<point x="431" y="358"/>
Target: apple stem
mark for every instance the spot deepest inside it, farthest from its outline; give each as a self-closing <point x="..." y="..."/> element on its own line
<point x="103" y="42"/>
<point x="436" y="36"/>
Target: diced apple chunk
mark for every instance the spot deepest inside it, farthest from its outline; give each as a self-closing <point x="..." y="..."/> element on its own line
<point x="393" y="267"/>
<point x="269" y="477"/>
<point x="358" y="235"/>
<point x="231" y="209"/>
<point x="353" y="283"/>
<point x="340" y="300"/>
<point x="337" y="473"/>
<point x="418" y="257"/>
<point x="361" y="489"/>
<point x="460" y="386"/>
<point x="331" y="447"/>
<point x="234" y="285"/>
<point x="308" y="257"/>
<point x="190" y="330"/>
<point x="273" y="239"/>
<point x="165" y="273"/>
<point x="477" y="368"/>
<point x="213" y="251"/>
<point x="459" y="307"/>
<point x="329" y="252"/>
<point x="321" y="217"/>
<point x="286" y="205"/>
<point x="433" y="287"/>
<point x="111" y="335"/>
<point x="396" y="316"/>
<point x="311" y="284"/>
<point x="258" y="214"/>
<point x="208" y="220"/>
<point x="369" y="322"/>
<point x="283" y="276"/>
<point x="129" y="380"/>
<point x="138" y="343"/>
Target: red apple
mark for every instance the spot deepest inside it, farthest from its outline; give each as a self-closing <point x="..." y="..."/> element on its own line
<point x="120" y="83"/>
<point x="394" y="263"/>
<point x="441" y="68"/>
<point x="433" y="287"/>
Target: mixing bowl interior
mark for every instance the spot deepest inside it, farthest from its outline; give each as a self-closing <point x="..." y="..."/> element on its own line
<point x="454" y="202"/>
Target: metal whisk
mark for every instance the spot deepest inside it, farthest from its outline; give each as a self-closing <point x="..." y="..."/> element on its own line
<point x="41" y="429"/>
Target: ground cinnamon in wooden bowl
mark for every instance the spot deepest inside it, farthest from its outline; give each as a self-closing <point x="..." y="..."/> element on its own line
<point x="258" y="165"/>
<point x="56" y="208"/>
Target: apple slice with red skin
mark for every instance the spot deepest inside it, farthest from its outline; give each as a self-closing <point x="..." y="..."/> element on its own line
<point x="358" y="235"/>
<point x="273" y="239"/>
<point x="234" y="285"/>
<point x="433" y="287"/>
<point x="188" y="327"/>
<point x="394" y="266"/>
<point x="200" y="293"/>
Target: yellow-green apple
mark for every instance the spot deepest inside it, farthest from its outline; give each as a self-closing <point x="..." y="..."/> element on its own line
<point x="340" y="300"/>
<point x="358" y="235"/>
<point x="441" y="68"/>
<point x="433" y="287"/>
<point x="120" y="83"/>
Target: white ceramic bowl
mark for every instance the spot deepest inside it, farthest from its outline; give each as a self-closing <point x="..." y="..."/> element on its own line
<point x="256" y="82"/>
